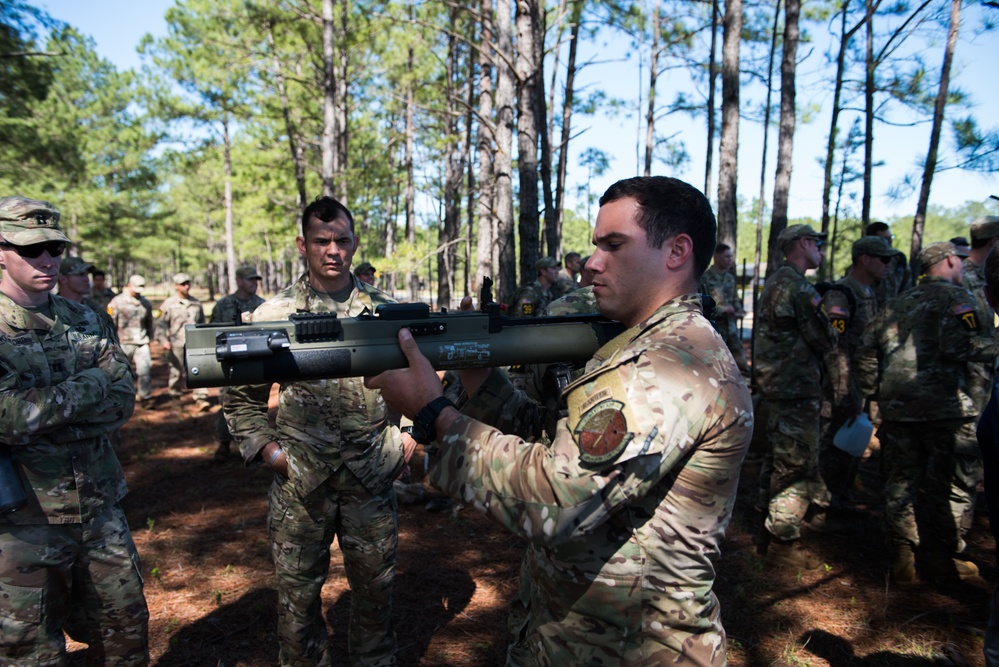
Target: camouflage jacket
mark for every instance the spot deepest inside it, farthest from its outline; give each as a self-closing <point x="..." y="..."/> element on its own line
<point x="103" y="297"/>
<point x="721" y="288"/>
<point x="980" y="375"/>
<point x="849" y="317"/>
<point x="530" y="300"/>
<point x="915" y="353"/>
<point x="794" y="340"/>
<point x="321" y="424"/>
<point x="897" y="280"/>
<point x="64" y="385"/>
<point x="626" y="509"/>
<point x="230" y="309"/>
<point x="175" y="314"/>
<point x="564" y="284"/>
<point x="133" y="317"/>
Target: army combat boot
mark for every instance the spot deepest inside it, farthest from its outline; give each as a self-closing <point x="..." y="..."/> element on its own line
<point x="903" y="566"/>
<point x="944" y="569"/>
<point x="788" y="554"/>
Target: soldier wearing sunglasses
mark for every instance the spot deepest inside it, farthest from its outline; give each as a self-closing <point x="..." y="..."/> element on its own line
<point x="67" y="560"/>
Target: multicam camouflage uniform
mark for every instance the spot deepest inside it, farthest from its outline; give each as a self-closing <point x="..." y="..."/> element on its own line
<point x="343" y="452"/>
<point x="794" y="342"/>
<point x="720" y="286"/>
<point x="230" y="308"/>
<point x="133" y="319"/>
<point x="896" y="280"/>
<point x="849" y="317"/>
<point x="530" y="300"/>
<point x="103" y="297"/>
<point x="565" y="283"/>
<point x="924" y="340"/>
<point x="626" y="509"/>
<point x="175" y="314"/>
<point x="67" y="558"/>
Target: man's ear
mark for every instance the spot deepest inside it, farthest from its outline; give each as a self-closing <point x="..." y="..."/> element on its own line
<point x="300" y="243"/>
<point x="680" y="250"/>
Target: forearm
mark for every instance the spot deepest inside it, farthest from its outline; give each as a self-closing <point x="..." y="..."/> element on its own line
<point x="37" y="411"/>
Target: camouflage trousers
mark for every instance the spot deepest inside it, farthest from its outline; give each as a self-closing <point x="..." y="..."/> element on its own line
<point x="919" y="457"/>
<point x="968" y="473"/>
<point x="177" y="384"/>
<point x="82" y="578"/>
<point x="222" y="433"/>
<point x="301" y="532"/>
<point x="789" y="478"/>
<point x="142" y="362"/>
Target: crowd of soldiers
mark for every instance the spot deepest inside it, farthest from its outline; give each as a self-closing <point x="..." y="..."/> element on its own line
<point x="622" y="484"/>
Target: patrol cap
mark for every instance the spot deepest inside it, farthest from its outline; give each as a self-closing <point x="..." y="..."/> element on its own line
<point x="28" y="221"/>
<point x="546" y="263"/>
<point x="181" y="278"/>
<point x="364" y="267"/>
<point x="872" y="245"/>
<point x="74" y="266"/>
<point x="137" y="283"/>
<point x="795" y="232"/>
<point x="247" y="272"/>
<point x="962" y="246"/>
<point x="936" y="252"/>
<point x="986" y="227"/>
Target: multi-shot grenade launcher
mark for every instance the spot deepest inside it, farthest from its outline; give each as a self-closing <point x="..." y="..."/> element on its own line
<point x="313" y="346"/>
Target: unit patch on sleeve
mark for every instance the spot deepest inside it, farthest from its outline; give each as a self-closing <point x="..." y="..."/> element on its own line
<point x="602" y="432"/>
<point x="965" y="314"/>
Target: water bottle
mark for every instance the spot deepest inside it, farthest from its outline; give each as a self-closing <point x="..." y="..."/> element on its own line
<point x="12" y="496"/>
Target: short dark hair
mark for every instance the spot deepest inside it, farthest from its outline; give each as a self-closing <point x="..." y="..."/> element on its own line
<point x="569" y="256"/>
<point x="326" y="209"/>
<point x="722" y="247"/>
<point x="980" y="243"/>
<point x="97" y="272"/>
<point x="992" y="270"/>
<point x="670" y="207"/>
<point x="876" y="228"/>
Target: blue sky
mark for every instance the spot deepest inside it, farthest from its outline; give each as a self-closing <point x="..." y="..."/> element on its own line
<point x="118" y="25"/>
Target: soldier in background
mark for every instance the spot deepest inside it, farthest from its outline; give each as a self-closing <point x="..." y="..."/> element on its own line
<point x="915" y="356"/>
<point x="531" y="299"/>
<point x="177" y="311"/>
<point x="74" y="284"/>
<point x="234" y="308"/>
<point x="100" y="292"/>
<point x="850" y="304"/>
<point x="132" y="315"/>
<point x="794" y="342"/>
<point x="568" y="276"/>
<point x="585" y="274"/>
<point x="67" y="559"/>
<point x="719" y="283"/>
<point x="625" y="510"/>
<point x="897" y="279"/>
<point x="334" y="451"/>
<point x="365" y="273"/>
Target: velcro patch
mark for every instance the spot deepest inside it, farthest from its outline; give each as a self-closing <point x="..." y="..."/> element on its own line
<point x="816" y="300"/>
<point x="965" y="314"/>
<point x="839" y="324"/>
<point x="602" y="432"/>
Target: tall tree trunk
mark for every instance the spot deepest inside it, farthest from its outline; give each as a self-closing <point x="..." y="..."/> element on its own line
<point x="506" y="269"/>
<point x="343" y="106"/>
<point x="785" y="137"/>
<point x="938" y="116"/>
<point x="230" y="243"/>
<point x="712" y="75"/>
<point x="570" y="83"/>
<point x="486" y="238"/>
<point x="329" y="143"/>
<point x="414" y="278"/>
<point x="454" y="172"/>
<point x="470" y="176"/>
<point x="527" y="137"/>
<point x="552" y="232"/>
<point x="865" y="206"/>
<point x="650" y="113"/>
<point x="728" y="149"/>
<point x="297" y="156"/>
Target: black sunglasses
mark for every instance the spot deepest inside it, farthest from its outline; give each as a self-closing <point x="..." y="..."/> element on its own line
<point x="884" y="259"/>
<point x="35" y="250"/>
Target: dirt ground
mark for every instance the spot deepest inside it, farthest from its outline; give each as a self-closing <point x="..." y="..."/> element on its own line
<point x="200" y="529"/>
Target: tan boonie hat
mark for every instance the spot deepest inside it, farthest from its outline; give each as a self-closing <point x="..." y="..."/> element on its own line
<point x="181" y="278"/>
<point x="985" y="228"/>
<point x="74" y="266"/>
<point x="137" y="283"/>
<point x="795" y="232"/>
<point x="936" y="252"/>
<point x="872" y="245"/>
<point x="247" y="272"/>
<point x="546" y="263"/>
<point x="28" y="221"/>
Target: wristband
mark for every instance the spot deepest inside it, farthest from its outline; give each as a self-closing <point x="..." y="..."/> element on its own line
<point x="424" y="423"/>
<point x="273" y="457"/>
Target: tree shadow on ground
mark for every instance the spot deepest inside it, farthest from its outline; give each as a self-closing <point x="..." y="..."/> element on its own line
<point x="838" y="652"/>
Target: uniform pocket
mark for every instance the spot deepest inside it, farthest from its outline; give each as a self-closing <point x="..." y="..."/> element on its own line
<point x="20" y="618"/>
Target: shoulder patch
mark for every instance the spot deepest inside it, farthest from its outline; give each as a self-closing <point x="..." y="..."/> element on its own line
<point x="816" y="299"/>
<point x="602" y="432"/>
<point x="965" y="314"/>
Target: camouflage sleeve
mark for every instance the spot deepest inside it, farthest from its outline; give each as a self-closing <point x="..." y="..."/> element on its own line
<point x="163" y="324"/>
<point x="501" y="405"/>
<point x="836" y="307"/>
<point x="867" y="360"/>
<point x="246" y="415"/>
<point x="815" y="328"/>
<point x="961" y="335"/>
